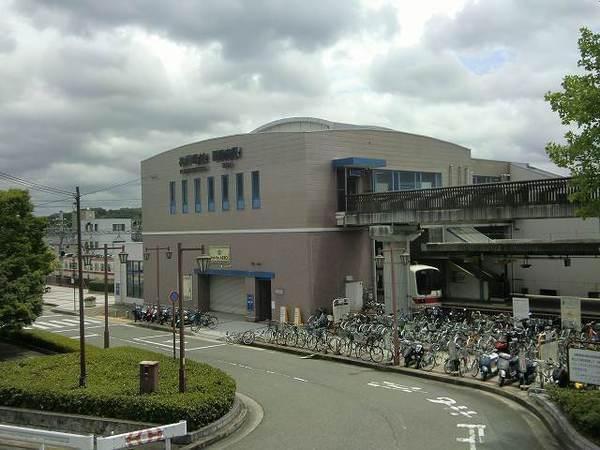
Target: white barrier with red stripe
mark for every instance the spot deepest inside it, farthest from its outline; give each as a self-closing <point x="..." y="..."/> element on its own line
<point x="156" y="434"/>
<point x="46" y="437"/>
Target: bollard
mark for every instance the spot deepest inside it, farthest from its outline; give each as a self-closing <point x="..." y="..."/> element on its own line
<point x="148" y="377"/>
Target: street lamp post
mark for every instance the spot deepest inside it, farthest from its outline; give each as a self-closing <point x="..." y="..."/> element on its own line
<point x="203" y="262"/>
<point x="122" y="260"/>
<point x="157" y="249"/>
<point x="380" y="261"/>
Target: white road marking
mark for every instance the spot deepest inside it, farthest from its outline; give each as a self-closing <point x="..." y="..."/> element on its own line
<point x="68" y="330"/>
<point x="206" y="346"/>
<point x="48" y="324"/>
<point x="152" y="336"/>
<point x="37" y="325"/>
<point x="397" y="387"/>
<point x="472" y="439"/>
<point x="86" y="336"/>
<point x="300" y="379"/>
<point x="71" y="321"/>
<point x="452" y="408"/>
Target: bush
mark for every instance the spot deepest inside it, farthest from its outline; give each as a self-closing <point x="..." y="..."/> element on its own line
<point x="98" y="286"/>
<point x="581" y="407"/>
<point x="44" y="340"/>
<point x="51" y="383"/>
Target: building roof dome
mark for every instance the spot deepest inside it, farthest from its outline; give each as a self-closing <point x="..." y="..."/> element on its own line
<point x="307" y="124"/>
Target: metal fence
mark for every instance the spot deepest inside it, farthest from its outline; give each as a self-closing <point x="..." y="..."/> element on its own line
<point x="554" y="191"/>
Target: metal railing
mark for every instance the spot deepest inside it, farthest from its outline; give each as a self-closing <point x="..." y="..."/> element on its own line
<point x="553" y="191"/>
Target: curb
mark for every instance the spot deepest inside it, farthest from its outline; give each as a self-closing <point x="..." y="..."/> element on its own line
<point x="561" y="422"/>
<point x="217" y="430"/>
<point x="548" y="414"/>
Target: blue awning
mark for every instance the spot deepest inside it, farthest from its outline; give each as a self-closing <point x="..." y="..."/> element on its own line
<point x="238" y="273"/>
<point x="358" y="162"/>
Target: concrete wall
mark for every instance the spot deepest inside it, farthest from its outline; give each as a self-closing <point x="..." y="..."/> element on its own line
<point x="580" y="278"/>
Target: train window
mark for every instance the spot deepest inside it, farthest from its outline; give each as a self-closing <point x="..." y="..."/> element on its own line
<point x="428" y="280"/>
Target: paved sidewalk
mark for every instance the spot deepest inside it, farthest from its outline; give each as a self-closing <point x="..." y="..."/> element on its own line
<point x="67" y="299"/>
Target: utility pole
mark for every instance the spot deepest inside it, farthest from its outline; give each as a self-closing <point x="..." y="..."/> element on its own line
<point x="82" y="370"/>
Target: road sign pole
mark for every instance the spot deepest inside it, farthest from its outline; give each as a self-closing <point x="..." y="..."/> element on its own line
<point x="173" y="296"/>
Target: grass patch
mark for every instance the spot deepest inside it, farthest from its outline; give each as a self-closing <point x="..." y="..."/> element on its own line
<point x="581" y="407"/>
<point x="51" y="383"/>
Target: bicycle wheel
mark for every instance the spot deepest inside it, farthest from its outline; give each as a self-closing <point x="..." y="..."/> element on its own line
<point x="311" y="342"/>
<point x="428" y="361"/>
<point x="474" y="368"/>
<point x="291" y="339"/>
<point x="376" y="354"/>
<point x="335" y="345"/>
<point x="248" y="337"/>
<point x="212" y="322"/>
<point x="281" y="338"/>
<point x="365" y="352"/>
<point x="195" y="327"/>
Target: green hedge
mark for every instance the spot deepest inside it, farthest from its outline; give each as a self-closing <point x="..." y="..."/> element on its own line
<point x="98" y="286"/>
<point x="51" y="383"/>
<point x="44" y="340"/>
<point x="581" y="407"/>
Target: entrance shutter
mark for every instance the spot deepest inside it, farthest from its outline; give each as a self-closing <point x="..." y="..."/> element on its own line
<point x="228" y="295"/>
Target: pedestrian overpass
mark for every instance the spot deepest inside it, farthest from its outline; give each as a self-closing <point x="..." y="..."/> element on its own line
<point x="479" y="203"/>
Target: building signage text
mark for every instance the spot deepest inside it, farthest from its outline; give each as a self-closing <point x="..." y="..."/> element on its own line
<point x="198" y="161"/>
<point x="220" y="255"/>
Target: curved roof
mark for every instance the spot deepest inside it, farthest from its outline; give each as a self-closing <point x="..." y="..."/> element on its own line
<point x="310" y="124"/>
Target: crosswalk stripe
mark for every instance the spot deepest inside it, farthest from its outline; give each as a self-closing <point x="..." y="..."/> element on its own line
<point x="48" y="324"/>
<point x="41" y="327"/>
<point x="71" y="321"/>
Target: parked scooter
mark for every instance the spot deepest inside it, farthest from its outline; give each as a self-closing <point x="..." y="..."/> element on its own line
<point x="508" y="368"/>
<point x="527" y="370"/>
<point x="488" y="365"/>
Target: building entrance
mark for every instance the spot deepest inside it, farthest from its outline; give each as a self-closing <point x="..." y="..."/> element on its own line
<point x="263" y="299"/>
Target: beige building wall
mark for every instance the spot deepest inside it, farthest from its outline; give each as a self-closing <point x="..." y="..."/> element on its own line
<point x="280" y="159"/>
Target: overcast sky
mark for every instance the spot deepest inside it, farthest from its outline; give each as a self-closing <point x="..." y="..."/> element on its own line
<point x="90" y="88"/>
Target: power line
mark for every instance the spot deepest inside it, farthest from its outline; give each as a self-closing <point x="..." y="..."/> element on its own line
<point x="108" y="188"/>
<point x="34" y="186"/>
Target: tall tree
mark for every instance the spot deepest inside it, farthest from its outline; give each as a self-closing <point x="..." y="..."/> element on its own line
<point x="25" y="260"/>
<point x="578" y="106"/>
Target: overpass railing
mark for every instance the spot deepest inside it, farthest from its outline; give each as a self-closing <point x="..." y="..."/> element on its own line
<point x="513" y="193"/>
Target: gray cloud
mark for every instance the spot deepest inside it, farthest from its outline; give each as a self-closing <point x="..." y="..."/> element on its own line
<point x="244" y="29"/>
<point x="84" y="98"/>
<point x="506" y="23"/>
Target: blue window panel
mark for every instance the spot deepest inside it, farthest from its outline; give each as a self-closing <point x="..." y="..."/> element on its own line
<point x="239" y="190"/>
<point x="197" y="198"/>
<point x="210" y="187"/>
<point x="225" y="192"/>
<point x="256" y="190"/>
<point x="184" y="197"/>
<point x="172" y="201"/>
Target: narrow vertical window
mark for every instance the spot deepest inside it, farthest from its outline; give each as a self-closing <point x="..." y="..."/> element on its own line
<point x="172" y="202"/>
<point x="225" y="192"/>
<point x="197" y="198"/>
<point x="210" y="187"/>
<point x="239" y="190"/>
<point x="184" y="197"/>
<point x="255" y="190"/>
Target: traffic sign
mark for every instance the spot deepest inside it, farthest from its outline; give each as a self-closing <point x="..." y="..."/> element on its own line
<point x="173" y="296"/>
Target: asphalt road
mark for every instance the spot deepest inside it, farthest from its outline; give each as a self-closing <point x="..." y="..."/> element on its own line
<point x="314" y="404"/>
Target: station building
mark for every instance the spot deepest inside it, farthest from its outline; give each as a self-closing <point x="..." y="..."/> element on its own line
<point x="263" y="205"/>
